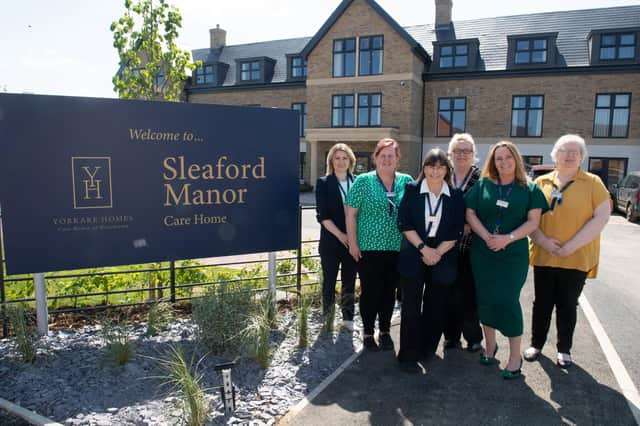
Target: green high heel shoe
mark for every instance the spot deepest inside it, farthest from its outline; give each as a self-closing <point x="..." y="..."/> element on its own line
<point x="509" y="375"/>
<point x="489" y="360"/>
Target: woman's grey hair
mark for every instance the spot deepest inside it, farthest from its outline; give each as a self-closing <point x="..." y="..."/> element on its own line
<point x="563" y="140"/>
<point x="462" y="137"/>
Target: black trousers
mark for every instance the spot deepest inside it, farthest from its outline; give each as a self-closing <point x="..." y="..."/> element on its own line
<point x="378" y="277"/>
<point x="424" y="308"/>
<point x="462" y="313"/>
<point x="559" y="288"/>
<point x="330" y="264"/>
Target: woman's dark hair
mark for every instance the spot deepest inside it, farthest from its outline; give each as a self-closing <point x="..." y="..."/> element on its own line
<point x="433" y="157"/>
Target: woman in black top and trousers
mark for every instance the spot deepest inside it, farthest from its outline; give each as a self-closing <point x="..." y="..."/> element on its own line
<point x="331" y="191"/>
<point x="431" y="218"/>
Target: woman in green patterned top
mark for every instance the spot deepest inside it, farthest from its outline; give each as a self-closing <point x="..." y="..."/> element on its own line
<point x="374" y="239"/>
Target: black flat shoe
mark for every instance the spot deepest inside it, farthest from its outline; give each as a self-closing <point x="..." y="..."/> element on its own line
<point x="370" y="344"/>
<point x="410" y="367"/>
<point x="386" y="343"/>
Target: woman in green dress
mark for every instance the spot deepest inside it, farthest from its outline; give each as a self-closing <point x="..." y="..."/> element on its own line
<point x="503" y="208"/>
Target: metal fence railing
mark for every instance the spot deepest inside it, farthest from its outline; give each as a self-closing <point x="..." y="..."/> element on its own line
<point x="173" y="281"/>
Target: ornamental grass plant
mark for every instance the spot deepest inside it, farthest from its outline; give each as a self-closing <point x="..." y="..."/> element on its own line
<point x="26" y="336"/>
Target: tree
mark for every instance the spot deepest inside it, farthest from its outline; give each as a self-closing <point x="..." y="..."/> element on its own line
<point x="152" y="66"/>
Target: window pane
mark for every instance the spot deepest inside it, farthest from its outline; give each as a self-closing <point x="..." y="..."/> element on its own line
<point x="348" y="101"/>
<point x="608" y="53"/>
<point x="539" y="56"/>
<point x="522" y="45"/>
<point x="297" y="61"/>
<point x="209" y="78"/>
<point x="627" y="39"/>
<point x="535" y="123"/>
<point x="245" y="66"/>
<point x="444" y="124"/>
<point x="337" y="101"/>
<point x="461" y="61"/>
<point x="348" y="118"/>
<point x="622" y="101"/>
<point x="363" y="100"/>
<point x="519" y="102"/>
<point x="461" y="49"/>
<point x="350" y="44"/>
<point x="620" y="121"/>
<point x="364" y="43"/>
<point x="608" y="40"/>
<point x="245" y="75"/>
<point x="337" y="64"/>
<point x="518" y="119"/>
<point x="446" y="51"/>
<point x="377" y="42"/>
<point x="375" y="117"/>
<point x="208" y="69"/>
<point x="444" y="104"/>
<point x="446" y="62"/>
<point x="535" y="101"/>
<point x="335" y="120"/>
<point x="350" y="64"/>
<point x="626" y="52"/>
<point x="364" y="63"/>
<point x="255" y="75"/>
<point x="337" y="45"/>
<point x="539" y="44"/>
<point x="522" y="58"/>
<point x="601" y="125"/>
<point x="376" y="62"/>
<point x="199" y="79"/>
<point x="603" y="101"/>
<point x="458" y="103"/>
<point x="363" y="117"/>
<point x="458" y="121"/>
<point x="376" y="100"/>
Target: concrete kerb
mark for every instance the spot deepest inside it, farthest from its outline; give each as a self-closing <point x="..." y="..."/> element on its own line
<point x="27" y="415"/>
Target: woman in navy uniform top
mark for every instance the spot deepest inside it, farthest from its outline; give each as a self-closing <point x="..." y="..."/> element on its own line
<point x="431" y="218"/>
<point x="331" y="191"/>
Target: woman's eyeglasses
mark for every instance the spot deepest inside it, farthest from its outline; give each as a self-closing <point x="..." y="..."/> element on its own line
<point x="462" y="151"/>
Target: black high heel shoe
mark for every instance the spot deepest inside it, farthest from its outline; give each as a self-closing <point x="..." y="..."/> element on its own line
<point x="509" y="375"/>
<point x="489" y="360"/>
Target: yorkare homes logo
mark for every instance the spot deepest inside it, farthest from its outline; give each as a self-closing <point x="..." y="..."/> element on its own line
<point x="91" y="178"/>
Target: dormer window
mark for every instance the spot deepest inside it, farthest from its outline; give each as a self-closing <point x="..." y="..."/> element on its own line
<point x="532" y="51"/>
<point x="296" y="67"/>
<point x="614" y="46"/>
<point x="250" y="71"/>
<point x="254" y="70"/>
<point x="617" y="46"/>
<point x="204" y="75"/>
<point x="456" y="56"/>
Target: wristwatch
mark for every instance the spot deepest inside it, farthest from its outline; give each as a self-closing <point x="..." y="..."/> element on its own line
<point x="420" y="246"/>
<point x="512" y="237"/>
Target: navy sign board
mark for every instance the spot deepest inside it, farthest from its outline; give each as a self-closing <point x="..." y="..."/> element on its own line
<point x="88" y="182"/>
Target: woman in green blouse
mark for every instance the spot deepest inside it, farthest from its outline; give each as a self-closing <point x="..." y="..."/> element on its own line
<point x="374" y="239"/>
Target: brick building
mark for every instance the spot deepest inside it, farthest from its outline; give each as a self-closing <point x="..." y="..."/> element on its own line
<point x="526" y="78"/>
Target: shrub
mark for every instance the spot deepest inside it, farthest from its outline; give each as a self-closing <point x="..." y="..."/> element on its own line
<point x="258" y="331"/>
<point x="26" y="337"/>
<point x="302" y="311"/>
<point x="222" y="315"/>
<point x="119" y="348"/>
<point x="186" y="380"/>
<point x="159" y="316"/>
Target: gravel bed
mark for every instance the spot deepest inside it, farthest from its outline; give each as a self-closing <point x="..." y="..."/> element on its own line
<point x="72" y="383"/>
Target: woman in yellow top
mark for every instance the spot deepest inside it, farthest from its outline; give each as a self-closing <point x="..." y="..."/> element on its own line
<point x="566" y="247"/>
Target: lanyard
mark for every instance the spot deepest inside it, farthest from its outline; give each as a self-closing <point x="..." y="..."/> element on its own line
<point x="342" y="191"/>
<point x="501" y="208"/>
<point x="465" y="181"/>
<point x="391" y="195"/>
<point x="556" y="195"/>
<point x="433" y="213"/>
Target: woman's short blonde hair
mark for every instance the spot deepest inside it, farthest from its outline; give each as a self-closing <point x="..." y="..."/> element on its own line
<point x="344" y="148"/>
<point x="491" y="171"/>
<point x="563" y="140"/>
<point x="462" y="137"/>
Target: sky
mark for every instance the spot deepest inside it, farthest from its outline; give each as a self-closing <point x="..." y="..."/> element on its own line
<point x="64" y="47"/>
